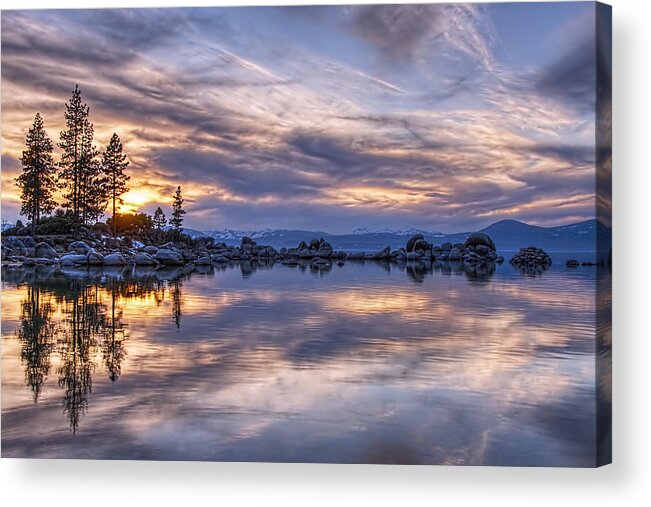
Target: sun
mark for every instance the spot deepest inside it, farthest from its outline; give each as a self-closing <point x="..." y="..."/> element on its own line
<point x="136" y="198"/>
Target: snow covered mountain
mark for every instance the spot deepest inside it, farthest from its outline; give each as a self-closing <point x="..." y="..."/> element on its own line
<point x="507" y="235"/>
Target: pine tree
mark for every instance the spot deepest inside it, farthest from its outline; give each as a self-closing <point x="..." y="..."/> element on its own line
<point x="113" y="165"/>
<point x="159" y="220"/>
<point x="81" y="174"/>
<point x="39" y="174"/>
<point x="177" y="210"/>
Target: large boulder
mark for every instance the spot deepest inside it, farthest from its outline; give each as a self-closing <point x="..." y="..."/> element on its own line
<point x="151" y="250"/>
<point x="114" y="259"/>
<point x="74" y="260"/>
<point x="94" y="258"/>
<point x="325" y="250"/>
<point x="15" y="244"/>
<point x="169" y="257"/>
<point x="144" y="259"/>
<point x="80" y="247"/>
<point x="412" y="241"/>
<point x="480" y="238"/>
<point x="46" y="251"/>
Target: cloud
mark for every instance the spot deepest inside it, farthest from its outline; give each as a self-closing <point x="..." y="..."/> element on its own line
<point x="273" y="124"/>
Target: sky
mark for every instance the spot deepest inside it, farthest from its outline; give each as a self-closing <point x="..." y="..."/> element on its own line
<point x="443" y="117"/>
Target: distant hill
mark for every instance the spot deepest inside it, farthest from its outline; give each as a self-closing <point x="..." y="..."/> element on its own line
<point x="507" y="235"/>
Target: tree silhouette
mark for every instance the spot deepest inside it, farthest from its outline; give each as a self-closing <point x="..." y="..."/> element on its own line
<point x="81" y="176"/>
<point x="159" y="220"/>
<point x="113" y="165"/>
<point x="39" y="174"/>
<point x="177" y="210"/>
<point x="36" y="334"/>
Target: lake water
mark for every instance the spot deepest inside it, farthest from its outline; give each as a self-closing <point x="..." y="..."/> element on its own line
<point x="364" y="363"/>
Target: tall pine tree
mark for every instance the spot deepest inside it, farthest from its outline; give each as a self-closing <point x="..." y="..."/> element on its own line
<point x="113" y="165"/>
<point x="39" y="174"/>
<point x="177" y="210"/>
<point x="81" y="175"/>
<point x="159" y="220"/>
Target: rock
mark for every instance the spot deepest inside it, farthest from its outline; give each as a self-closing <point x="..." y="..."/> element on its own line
<point x="45" y="250"/>
<point x="169" y="257"/>
<point x="423" y="245"/>
<point x="247" y="241"/>
<point x="572" y="263"/>
<point x="530" y="257"/>
<point x="314" y="244"/>
<point x="29" y="242"/>
<point x="15" y="244"/>
<point x="499" y="259"/>
<point x="383" y="254"/>
<point x="325" y="250"/>
<point x="151" y="250"/>
<point x="204" y="260"/>
<point x="220" y="258"/>
<point x="480" y="238"/>
<point x="79" y="247"/>
<point x="356" y="256"/>
<point x="7" y="252"/>
<point x="94" y="258"/>
<point x="455" y="254"/>
<point x="114" y="259"/>
<point x="446" y="247"/>
<point x="481" y="249"/>
<point x="19" y="224"/>
<point x="74" y="260"/>
<point x="283" y="251"/>
<point x="302" y="246"/>
<point x="306" y="254"/>
<point x="413" y="256"/>
<point x="144" y="259"/>
<point x="412" y="241"/>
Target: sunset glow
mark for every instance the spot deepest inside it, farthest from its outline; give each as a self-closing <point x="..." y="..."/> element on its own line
<point x="443" y="117"/>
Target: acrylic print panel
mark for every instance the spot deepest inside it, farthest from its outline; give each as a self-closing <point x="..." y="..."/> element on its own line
<point x="343" y="234"/>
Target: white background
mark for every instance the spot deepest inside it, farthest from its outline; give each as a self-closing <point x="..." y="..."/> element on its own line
<point x="626" y="482"/>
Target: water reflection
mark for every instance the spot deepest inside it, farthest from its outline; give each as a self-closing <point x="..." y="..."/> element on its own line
<point x="366" y="362"/>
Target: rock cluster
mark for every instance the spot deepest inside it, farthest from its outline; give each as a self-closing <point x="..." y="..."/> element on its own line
<point x="531" y="257"/>
<point x="95" y="250"/>
<point x="478" y="248"/>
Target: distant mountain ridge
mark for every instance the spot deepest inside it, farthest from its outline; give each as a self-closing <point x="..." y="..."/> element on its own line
<point x="507" y="234"/>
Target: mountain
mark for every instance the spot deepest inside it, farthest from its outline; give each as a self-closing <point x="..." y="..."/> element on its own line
<point x="508" y="235"/>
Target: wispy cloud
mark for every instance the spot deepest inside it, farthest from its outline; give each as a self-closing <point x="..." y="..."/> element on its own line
<point x="370" y="116"/>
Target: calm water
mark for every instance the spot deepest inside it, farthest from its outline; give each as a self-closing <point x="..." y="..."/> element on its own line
<point x="365" y="363"/>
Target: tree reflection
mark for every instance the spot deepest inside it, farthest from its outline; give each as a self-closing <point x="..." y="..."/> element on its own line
<point x="36" y="333"/>
<point x="85" y="318"/>
<point x="79" y="319"/>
